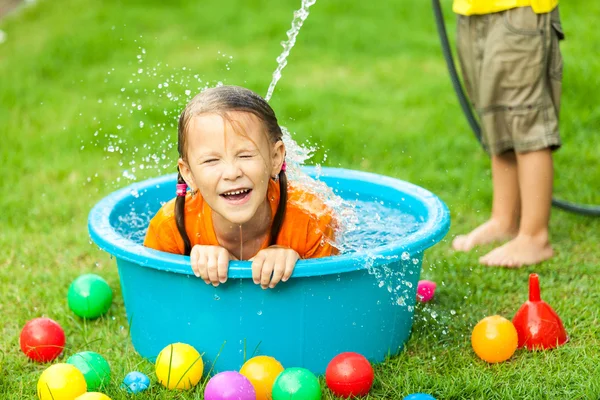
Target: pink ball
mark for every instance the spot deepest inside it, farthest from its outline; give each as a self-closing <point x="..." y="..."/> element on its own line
<point x="229" y="385"/>
<point x="425" y="291"/>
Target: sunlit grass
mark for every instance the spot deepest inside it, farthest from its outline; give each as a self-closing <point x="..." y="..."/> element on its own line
<point x="366" y="82"/>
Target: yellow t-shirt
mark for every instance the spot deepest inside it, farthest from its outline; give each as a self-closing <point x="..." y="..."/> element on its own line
<point x="308" y="226"/>
<point x="470" y="7"/>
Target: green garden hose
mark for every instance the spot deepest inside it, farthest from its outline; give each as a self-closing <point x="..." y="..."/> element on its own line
<point x="591" y="210"/>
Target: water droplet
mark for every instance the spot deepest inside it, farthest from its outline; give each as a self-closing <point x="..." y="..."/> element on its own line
<point x="452" y="312"/>
<point x="259" y="312"/>
<point x="405" y="256"/>
<point x="216" y="297"/>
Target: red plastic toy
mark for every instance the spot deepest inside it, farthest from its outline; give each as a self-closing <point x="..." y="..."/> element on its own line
<point x="42" y="339"/>
<point x="349" y="374"/>
<point x="538" y="326"/>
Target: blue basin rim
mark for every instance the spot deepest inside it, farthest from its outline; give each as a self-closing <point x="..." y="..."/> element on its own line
<point x="430" y="232"/>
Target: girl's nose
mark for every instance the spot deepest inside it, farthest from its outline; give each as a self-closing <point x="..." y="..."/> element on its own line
<point x="232" y="171"/>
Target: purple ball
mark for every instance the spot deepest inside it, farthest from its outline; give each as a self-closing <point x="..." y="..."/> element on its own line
<point x="229" y="385"/>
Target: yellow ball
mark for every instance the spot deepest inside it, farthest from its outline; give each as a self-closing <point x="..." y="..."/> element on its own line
<point x="93" y="396"/>
<point x="262" y="371"/>
<point x="179" y="366"/>
<point x="494" y="339"/>
<point x="61" y="382"/>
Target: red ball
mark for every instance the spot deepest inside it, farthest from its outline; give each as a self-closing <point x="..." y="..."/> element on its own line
<point x="42" y="339"/>
<point x="349" y="374"/>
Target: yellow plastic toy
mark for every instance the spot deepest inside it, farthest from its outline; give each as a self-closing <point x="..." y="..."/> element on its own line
<point x="93" y="396"/>
<point x="61" y="381"/>
<point x="262" y="371"/>
<point x="179" y="366"/>
<point x="494" y="339"/>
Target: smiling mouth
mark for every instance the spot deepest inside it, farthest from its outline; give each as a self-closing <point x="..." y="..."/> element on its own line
<point x="236" y="195"/>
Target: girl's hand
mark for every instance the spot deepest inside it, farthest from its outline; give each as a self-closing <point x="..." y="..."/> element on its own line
<point x="210" y="263"/>
<point x="273" y="264"/>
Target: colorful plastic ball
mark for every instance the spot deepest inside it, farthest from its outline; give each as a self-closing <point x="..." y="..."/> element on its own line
<point x="494" y="339"/>
<point x="262" y="372"/>
<point x="349" y="374"/>
<point x="42" y="339"/>
<point x="419" y="396"/>
<point x="229" y="385"/>
<point x="135" y="382"/>
<point x="179" y="366"/>
<point x="425" y="290"/>
<point x="89" y="296"/>
<point x="61" y="381"/>
<point x="94" y="368"/>
<point x="296" y="384"/>
<point x="93" y="396"/>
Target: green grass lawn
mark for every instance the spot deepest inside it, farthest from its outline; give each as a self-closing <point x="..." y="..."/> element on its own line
<point x="366" y="82"/>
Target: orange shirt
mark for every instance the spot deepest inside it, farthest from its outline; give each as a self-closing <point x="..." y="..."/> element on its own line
<point x="308" y="226"/>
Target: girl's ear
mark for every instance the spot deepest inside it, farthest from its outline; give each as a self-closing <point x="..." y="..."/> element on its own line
<point x="186" y="173"/>
<point x="278" y="157"/>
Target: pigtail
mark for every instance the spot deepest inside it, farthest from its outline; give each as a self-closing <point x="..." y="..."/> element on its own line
<point x="180" y="216"/>
<point x="280" y="213"/>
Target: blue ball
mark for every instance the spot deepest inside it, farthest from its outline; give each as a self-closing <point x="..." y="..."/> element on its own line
<point x="419" y="396"/>
<point x="135" y="382"/>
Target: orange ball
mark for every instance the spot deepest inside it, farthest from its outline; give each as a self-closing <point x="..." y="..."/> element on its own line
<point x="494" y="339"/>
<point x="262" y="371"/>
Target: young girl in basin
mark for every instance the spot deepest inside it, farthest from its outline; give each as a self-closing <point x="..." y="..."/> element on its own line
<point x="240" y="205"/>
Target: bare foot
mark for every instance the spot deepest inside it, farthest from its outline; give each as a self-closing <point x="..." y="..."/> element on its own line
<point x="488" y="232"/>
<point x="522" y="250"/>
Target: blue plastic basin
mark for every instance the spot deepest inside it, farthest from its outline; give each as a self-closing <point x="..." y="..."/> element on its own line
<point x="331" y="305"/>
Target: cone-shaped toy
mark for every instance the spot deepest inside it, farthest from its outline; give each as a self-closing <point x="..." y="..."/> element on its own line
<point x="538" y="326"/>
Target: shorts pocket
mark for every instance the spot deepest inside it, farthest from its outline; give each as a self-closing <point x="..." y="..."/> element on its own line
<point x="556" y="59"/>
<point x="523" y="21"/>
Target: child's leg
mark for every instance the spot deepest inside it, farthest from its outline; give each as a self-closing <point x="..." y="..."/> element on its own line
<point x="532" y="244"/>
<point x="503" y="223"/>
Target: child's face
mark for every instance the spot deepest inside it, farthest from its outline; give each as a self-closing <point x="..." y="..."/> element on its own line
<point x="231" y="167"/>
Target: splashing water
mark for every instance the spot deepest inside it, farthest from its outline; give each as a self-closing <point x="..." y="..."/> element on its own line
<point x="359" y="224"/>
<point x="299" y="18"/>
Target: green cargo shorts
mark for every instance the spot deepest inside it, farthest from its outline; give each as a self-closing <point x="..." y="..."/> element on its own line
<point x="512" y="69"/>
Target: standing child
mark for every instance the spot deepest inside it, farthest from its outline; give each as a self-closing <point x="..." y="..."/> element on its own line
<point x="512" y="67"/>
<point x="240" y="206"/>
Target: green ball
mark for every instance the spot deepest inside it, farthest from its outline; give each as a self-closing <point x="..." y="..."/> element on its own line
<point x="296" y="384"/>
<point x="93" y="366"/>
<point x="89" y="296"/>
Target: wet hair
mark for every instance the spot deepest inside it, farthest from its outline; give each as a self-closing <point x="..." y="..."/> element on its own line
<point x="222" y="100"/>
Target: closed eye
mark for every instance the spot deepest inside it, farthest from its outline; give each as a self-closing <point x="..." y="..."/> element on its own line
<point x="209" y="161"/>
